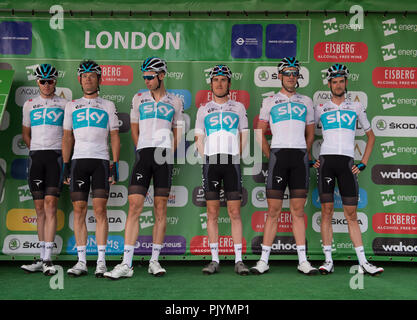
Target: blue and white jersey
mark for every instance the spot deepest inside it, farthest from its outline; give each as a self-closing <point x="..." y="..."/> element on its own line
<point x="44" y="117"/>
<point x="287" y="117"/>
<point x="339" y="125"/>
<point x="156" y="119"/>
<point x="91" y="121"/>
<point x="221" y="124"/>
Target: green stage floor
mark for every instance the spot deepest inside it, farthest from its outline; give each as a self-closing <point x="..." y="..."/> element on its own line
<point x="185" y="281"/>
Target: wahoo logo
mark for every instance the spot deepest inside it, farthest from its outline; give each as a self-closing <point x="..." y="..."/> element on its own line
<point x="162" y="111"/>
<point x="389" y="52"/>
<point x="389" y="27"/>
<point x="388" y="197"/>
<point x="217" y="121"/>
<point x="47" y="116"/>
<point x="288" y="111"/>
<point x="344" y="119"/>
<point x="90" y="117"/>
<point x="388" y="100"/>
<point x="330" y="26"/>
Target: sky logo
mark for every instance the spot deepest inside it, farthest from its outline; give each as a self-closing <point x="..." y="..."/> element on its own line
<point x="90" y="117"/>
<point x="217" y="121"/>
<point x="163" y="111"/>
<point x="288" y="111"/>
<point x="344" y="119"/>
<point x="47" y="116"/>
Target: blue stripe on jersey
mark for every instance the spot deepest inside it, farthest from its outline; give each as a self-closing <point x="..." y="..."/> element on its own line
<point x="288" y="111"/>
<point x="164" y="111"/>
<point x="345" y="119"/>
<point x="217" y="121"/>
<point x="49" y="116"/>
<point x="90" y="117"/>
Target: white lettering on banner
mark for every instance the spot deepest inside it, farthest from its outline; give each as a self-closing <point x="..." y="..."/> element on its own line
<point x="132" y="40"/>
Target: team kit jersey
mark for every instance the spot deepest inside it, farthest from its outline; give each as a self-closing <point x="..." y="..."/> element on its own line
<point x="91" y="120"/>
<point x="287" y="117"/>
<point x="45" y="118"/>
<point x="339" y="125"/>
<point x="156" y="119"/>
<point x="221" y="124"/>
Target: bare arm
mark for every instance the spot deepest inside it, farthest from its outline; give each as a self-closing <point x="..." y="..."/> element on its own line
<point x="67" y="145"/>
<point x="134" y="130"/>
<point x="199" y="142"/>
<point x="262" y="127"/>
<point x="309" y="135"/>
<point x="368" y="150"/>
<point x="26" y="135"/>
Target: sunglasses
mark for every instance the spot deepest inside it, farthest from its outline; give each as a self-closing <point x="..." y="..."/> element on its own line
<point x="151" y="77"/>
<point x="288" y="73"/>
<point x="46" y="81"/>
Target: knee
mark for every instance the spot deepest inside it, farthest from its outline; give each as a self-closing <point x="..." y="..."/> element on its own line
<point x="100" y="214"/>
<point x="234" y="213"/>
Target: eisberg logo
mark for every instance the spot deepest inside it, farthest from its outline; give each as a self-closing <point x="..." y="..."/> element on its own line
<point x="394" y="223"/>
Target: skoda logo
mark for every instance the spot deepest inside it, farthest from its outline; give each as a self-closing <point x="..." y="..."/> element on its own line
<point x="14" y="244"/>
<point x="381" y="125"/>
<point x="263" y="75"/>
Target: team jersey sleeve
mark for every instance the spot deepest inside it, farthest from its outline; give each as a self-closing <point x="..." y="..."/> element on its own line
<point x="113" y="117"/>
<point x="317" y="114"/>
<point x="243" y="121"/>
<point x="362" y="118"/>
<point x="178" y="116"/>
<point x="310" y="117"/>
<point x="26" y="115"/>
<point x="134" y="110"/>
<point x="68" y="117"/>
<point x="199" y="122"/>
<point x="265" y="113"/>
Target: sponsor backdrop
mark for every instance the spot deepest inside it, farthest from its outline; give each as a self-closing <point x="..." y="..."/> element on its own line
<point x="381" y="55"/>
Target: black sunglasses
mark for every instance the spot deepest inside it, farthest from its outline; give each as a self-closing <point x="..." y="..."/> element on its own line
<point x="46" y="81"/>
<point x="288" y="73"/>
<point x="151" y="77"/>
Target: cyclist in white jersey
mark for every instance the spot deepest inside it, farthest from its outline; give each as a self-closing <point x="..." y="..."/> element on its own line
<point x="338" y="119"/>
<point x="42" y="133"/>
<point x="220" y="132"/>
<point x="87" y="124"/>
<point x="290" y="116"/>
<point x="156" y="120"/>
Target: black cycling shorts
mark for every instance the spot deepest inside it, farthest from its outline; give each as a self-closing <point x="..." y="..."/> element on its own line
<point x="222" y="168"/>
<point x="86" y="172"/>
<point x="149" y="164"/>
<point x="337" y="167"/>
<point x="287" y="167"/>
<point x="44" y="173"/>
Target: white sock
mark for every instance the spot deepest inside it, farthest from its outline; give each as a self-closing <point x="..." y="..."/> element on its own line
<point x="128" y="255"/>
<point x="328" y="253"/>
<point x="301" y="250"/>
<point x="360" y="252"/>
<point x="266" y="251"/>
<point x="214" y="248"/>
<point x="42" y="249"/>
<point x="101" y="253"/>
<point x="82" y="253"/>
<point x="238" y="252"/>
<point x="156" y="250"/>
<point x="48" y="251"/>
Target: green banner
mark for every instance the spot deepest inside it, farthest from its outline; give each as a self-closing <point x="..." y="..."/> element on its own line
<point x="6" y="78"/>
<point x="379" y="50"/>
